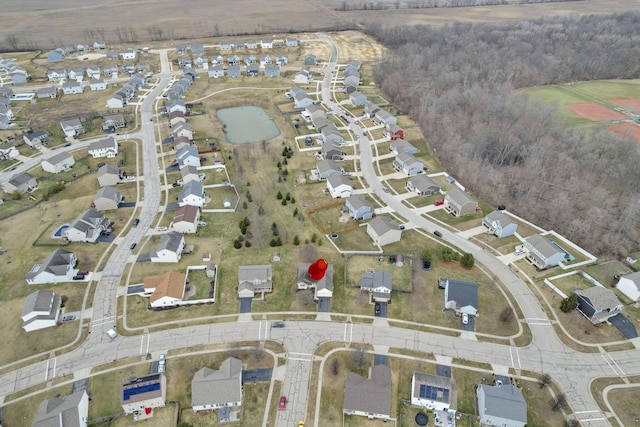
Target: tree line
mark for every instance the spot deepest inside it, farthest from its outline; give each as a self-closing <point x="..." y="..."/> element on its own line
<point x="460" y="84"/>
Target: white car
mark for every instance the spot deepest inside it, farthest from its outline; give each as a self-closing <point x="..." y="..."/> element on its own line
<point x="519" y="250"/>
<point x="465" y="319"/>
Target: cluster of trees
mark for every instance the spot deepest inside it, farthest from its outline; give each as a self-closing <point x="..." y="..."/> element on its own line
<point x="459" y="84"/>
<point x="430" y="4"/>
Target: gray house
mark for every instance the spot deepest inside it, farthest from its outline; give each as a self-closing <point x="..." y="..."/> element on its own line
<point x="272" y="71"/>
<point x="501" y="405"/>
<point x="458" y="203"/>
<point x="331" y="151"/>
<point x="326" y="168"/>
<point x="254" y="278"/>
<point x="408" y="163"/>
<point x="385" y="118"/>
<point x="460" y="296"/>
<point x="211" y="389"/>
<point x="47" y="92"/>
<point x="383" y="231"/>
<point x="598" y="304"/>
<point x="422" y="185"/>
<point x="107" y="198"/>
<point x="358" y="207"/>
<point x="542" y="253"/>
<point x="41" y="310"/>
<point x="58" y="162"/>
<point x="369" y="397"/>
<point x="378" y="284"/>
<point x="402" y="146"/>
<point x="357" y="99"/>
<point x="233" y="71"/>
<point x="22" y="183"/>
<point x="500" y="224"/>
<point x="216" y="71"/>
<point x="71" y="410"/>
<point x="108" y="174"/>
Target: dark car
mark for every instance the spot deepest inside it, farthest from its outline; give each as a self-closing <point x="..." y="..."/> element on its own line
<point x="377" y="308"/>
<point x="501" y="207"/>
<point x="68" y="318"/>
<point x="437" y="233"/>
<point x="426" y="265"/>
<point x="133" y="246"/>
<point x="277" y="324"/>
<point x="175" y="184"/>
<point x="78" y="277"/>
<point x="136" y="222"/>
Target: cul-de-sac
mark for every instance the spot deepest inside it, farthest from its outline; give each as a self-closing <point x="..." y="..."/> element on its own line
<point x="333" y="213"/>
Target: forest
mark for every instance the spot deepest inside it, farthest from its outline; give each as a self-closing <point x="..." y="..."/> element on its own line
<point x="460" y="84"/>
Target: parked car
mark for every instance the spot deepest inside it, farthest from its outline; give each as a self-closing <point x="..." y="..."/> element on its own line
<point x="175" y="184"/>
<point x="277" y="324"/>
<point x="133" y="246"/>
<point x="465" y="319"/>
<point x="519" y="250"/>
<point x="437" y="233"/>
<point x="85" y="272"/>
<point x="136" y="222"/>
<point x="161" y="228"/>
<point x="68" y="318"/>
<point x="439" y="202"/>
<point x="78" y="277"/>
<point x="377" y="309"/>
<point x="283" y="403"/>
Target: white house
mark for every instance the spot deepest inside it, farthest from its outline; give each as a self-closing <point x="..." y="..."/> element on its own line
<point x="339" y="186"/>
<point x="434" y="393"/>
<point x="107" y="147"/>
<point x="166" y="290"/>
<point x="41" y="310"/>
<point x="71" y="410"/>
<point x="140" y="393"/>
<point x="57" y="267"/>
<point x="407" y="163"/>
<point x="58" y="163"/>
<point x="72" y="127"/>
<point x="116" y="101"/>
<point x="87" y="227"/>
<point x="188" y="156"/>
<point x="383" y="231"/>
<point x="192" y="194"/>
<point x="72" y="88"/>
<point x="542" y="253"/>
<point x="169" y="249"/>
<point x="128" y="54"/>
<point x="97" y="84"/>
<point x="186" y="219"/>
<point x="211" y="389"/>
<point x="22" y="183"/>
<point x="500" y="224"/>
<point x="629" y="284"/>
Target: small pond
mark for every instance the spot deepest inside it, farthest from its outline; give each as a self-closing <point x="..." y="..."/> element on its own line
<point x="245" y="125"/>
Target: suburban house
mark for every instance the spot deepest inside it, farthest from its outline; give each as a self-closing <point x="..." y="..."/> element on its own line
<point x="57" y="267"/>
<point x="99" y="45"/>
<point x="282" y="60"/>
<point x="72" y="88"/>
<point x="322" y="288"/>
<point x="422" y="185"/>
<point x="180" y="141"/>
<point x="192" y="194"/>
<point x="302" y="100"/>
<point x="175" y="117"/>
<point x="313" y="112"/>
<point x="108" y="174"/>
<point x="107" y="198"/>
<point x="112" y="55"/>
<point x="500" y="224"/>
<point x="72" y="127"/>
<point x="233" y="70"/>
<point x="47" y="92"/>
<point x="41" y="310"/>
<point x="57" y="75"/>
<point x="176" y="106"/>
<point x="326" y="168"/>
<point x="266" y="43"/>
<point x="357" y="98"/>
<point x="339" y="186"/>
<point x="331" y="135"/>
<point x="434" y="393"/>
<point x="116" y="100"/>
<point x="225" y="46"/>
<point x="8" y="151"/>
<point x="598" y="303"/>
<point x="291" y="42"/>
<point x="113" y="122"/>
<point x="169" y="249"/>
<point x="110" y="70"/>
<point x="211" y="389"/>
<point x="351" y="78"/>
<point x="458" y="203"/>
<point x="629" y="284"/>
<point x="188" y="156"/>
<point x="216" y="71"/>
<point x="369" y="397"/>
<point x="394" y="132"/>
<point x="87" y="227"/>
<point x="460" y="296"/>
<point x="358" y="207"/>
<point x="402" y="146"/>
<point x="6" y="111"/>
<point x="75" y="74"/>
<point x="35" y="138"/>
<point x="71" y="410"/>
<point x="186" y="219"/>
<point x="349" y="89"/>
<point x="383" y="231"/>
<point x="501" y="405"/>
<point x="57" y="163"/>
<point x="253" y="279"/>
<point x="166" y="290"/>
<point x="407" y="163"/>
<point x="353" y="64"/>
<point x="310" y="59"/>
<point x="128" y="53"/>
<point x="542" y="253"/>
<point x="378" y="284"/>
<point x="189" y="173"/>
<point x="23" y="183"/>
<point x="384" y="117"/>
<point x="107" y="147"/>
<point x="251" y="44"/>
<point x="272" y="70"/>
<point x="93" y="73"/>
<point x="140" y="393"/>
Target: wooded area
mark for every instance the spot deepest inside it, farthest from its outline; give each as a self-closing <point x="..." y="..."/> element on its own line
<point x="457" y="83"/>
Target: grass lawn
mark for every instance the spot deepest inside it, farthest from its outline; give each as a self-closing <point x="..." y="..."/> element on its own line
<point x="401" y="276"/>
<point x="568" y="283"/>
<point x="605" y="272"/>
<point x="22" y="413"/>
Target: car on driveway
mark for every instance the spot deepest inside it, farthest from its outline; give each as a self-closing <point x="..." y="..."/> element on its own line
<point x="465" y="319"/>
<point x="283" y="403"/>
<point x="68" y="318"/>
<point x="439" y="202"/>
<point x="377" y="308"/>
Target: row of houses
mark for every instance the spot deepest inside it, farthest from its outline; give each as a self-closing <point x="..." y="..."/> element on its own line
<point x="60" y="53"/>
<point x="6" y="113"/>
<point x="180" y="87"/>
<point x="253" y="44"/>
<point x="126" y="92"/>
<point x="203" y="61"/>
<point x="15" y="72"/>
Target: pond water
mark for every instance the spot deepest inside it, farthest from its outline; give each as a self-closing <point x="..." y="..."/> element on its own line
<point x="245" y="125"/>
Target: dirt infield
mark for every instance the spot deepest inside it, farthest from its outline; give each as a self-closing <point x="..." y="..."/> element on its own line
<point x="595" y="112"/>
<point x="627" y="129"/>
<point x="632" y="103"/>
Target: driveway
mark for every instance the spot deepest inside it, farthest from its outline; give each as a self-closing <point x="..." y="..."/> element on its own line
<point x="380" y="359"/>
<point x="624" y="325"/>
<point x="127" y="205"/>
<point x="255" y="375"/>
<point x="324" y="305"/>
<point x="143" y="258"/>
<point x="245" y="305"/>
<point x="471" y="326"/>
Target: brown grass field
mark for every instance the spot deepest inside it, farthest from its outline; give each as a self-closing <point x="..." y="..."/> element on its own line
<point x="632" y="103"/>
<point x="595" y="112"/>
<point x="628" y="130"/>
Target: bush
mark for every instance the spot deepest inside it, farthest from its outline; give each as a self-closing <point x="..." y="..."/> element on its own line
<point x="569" y="304"/>
<point x="296" y="240"/>
<point x="446" y="254"/>
<point x="273" y="243"/>
<point x="237" y="244"/>
<point x="279" y="196"/>
<point x="467" y="260"/>
<point x="427" y="256"/>
<point x="247" y="244"/>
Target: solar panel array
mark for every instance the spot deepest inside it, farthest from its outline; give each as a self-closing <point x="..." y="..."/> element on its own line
<point x="128" y="392"/>
<point x="438" y="394"/>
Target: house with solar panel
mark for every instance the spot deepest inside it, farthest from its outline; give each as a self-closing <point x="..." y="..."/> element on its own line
<point x="140" y="395"/>
<point x="435" y="393"/>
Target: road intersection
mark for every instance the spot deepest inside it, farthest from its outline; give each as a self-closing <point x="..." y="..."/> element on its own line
<point x="571" y="370"/>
